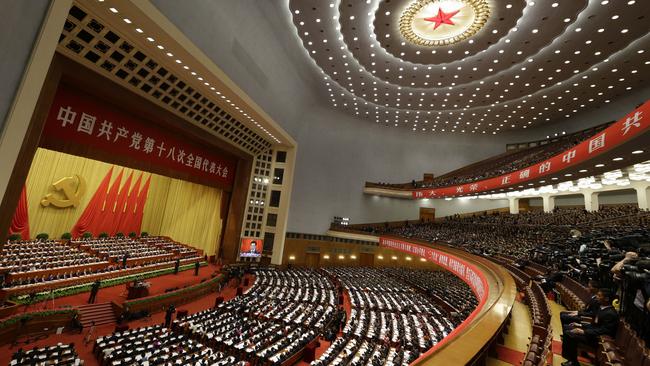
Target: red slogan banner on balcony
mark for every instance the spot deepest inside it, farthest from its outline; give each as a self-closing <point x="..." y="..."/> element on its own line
<point x="85" y="120"/>
<point x="465" y="271"/>
<point x="628" y="127"/>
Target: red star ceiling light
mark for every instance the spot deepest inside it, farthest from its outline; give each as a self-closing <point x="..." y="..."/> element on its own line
<point x="443" y="22"/>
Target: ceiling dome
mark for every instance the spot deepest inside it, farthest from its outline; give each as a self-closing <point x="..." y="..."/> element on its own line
<point x="473" y="66"/>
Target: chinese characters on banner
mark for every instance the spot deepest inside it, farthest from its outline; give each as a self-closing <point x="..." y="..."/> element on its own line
<point x="457" y="266"/>
<point x="628" y="127"/>
<point x="85" y="120"/>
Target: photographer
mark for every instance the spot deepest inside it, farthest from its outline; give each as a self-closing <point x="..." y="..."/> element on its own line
<point x="635" y="295"/>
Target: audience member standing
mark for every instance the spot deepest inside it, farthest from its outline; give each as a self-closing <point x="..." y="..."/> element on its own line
<point x="177" y="265"/>
<point x="197" y="265"/>
<point x="94" y="289"/>
<point x="171" y="309"/>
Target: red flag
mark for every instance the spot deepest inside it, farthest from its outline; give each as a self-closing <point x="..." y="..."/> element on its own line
<point x="92" y="213"/>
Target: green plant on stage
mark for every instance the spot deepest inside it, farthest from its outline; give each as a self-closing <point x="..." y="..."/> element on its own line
<point x="28" y="316"/>
<point x="187" y="290"/>
<point x="14" y="237"/>
<point x="43" y="236"/>
<point x="66" y="236"/>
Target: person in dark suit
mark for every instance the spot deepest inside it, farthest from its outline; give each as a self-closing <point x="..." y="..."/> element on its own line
<point x="590" y="310"/>
<point x="253" y="249"/>
<point x="124" y="258"/>
<point x="196" y="268"/>
<point x="171" y="309"/>
<point x="177" y="265"/>
<point x="94" y="289"/>
<point x="605" y="323"/>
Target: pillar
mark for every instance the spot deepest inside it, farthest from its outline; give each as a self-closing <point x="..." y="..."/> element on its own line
<point x="549" y="203"/>
<point x="591" y="200"/>
<point x="642" y="196"/>
<point x="514" y="205"/>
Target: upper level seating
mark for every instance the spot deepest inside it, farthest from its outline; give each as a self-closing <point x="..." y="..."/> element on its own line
<point x="60" y="354"/>
<point x="25" y="256"/>
<point x="156" y="345"/>
<point x="441" y="284"/>
<point x="275" y="319"/>
<point x="118" y="247"/>
<point x="498" y="165"/>
<point x="390" y="322"/>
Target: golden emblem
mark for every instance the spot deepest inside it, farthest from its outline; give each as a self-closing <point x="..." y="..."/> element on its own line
<point x="72" y="187"/>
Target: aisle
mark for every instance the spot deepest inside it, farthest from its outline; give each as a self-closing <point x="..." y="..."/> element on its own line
<point x="515" y="343"/>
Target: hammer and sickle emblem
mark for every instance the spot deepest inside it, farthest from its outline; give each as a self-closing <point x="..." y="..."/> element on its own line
<point x="72" y="187"/>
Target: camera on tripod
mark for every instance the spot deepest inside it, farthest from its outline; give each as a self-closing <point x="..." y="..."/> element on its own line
<point x="637" y="270"/>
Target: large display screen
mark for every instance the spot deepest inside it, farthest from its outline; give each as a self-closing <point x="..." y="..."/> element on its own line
<point x="251" y="247"/>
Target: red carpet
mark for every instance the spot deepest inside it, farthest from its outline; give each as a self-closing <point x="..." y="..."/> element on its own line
<point x="160" y="283"/>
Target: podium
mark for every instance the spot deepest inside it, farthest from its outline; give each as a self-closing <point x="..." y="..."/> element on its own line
<point x="310" y="352"/>
<point x="137" y="289"/>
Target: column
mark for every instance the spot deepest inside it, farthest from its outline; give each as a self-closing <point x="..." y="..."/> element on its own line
<point x="591" y="200"/>
<point x="514" y="205"/>
<point x="549" y="203"/>
<point x="642" y="196"/>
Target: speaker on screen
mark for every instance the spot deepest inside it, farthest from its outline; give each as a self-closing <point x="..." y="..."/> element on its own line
<point x="251" y="247"/>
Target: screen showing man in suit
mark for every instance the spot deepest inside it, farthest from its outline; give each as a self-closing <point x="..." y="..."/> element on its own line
<point x="251" y="247"/>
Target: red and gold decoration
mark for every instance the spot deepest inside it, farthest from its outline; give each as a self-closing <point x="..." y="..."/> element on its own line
<point x="72" y="189"/>
<point x="78" y="118"/>
<point x="442" y="22"/>
<point x="112" y="209"/>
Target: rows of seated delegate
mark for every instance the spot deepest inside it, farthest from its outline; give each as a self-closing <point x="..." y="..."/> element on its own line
<point x="283" y="312"/>
<point x="390" y="322"/>
<point x="30" y="264"/>
<point x="59" y="354"/>
<point x="26" y="256"/>
<point x="561" y="250"/>
<point x="441" y="284"/>
<point x="156" y="345"/>
<point x="117" y="248"/>
<point x="170" y="246"/>
<point x="499" y="165"/>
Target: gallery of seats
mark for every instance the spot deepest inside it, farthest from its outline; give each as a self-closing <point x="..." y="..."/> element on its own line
<point x="325" y="183"/>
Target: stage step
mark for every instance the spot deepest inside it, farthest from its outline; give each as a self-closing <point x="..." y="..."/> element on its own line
<point x="99" y="313"/>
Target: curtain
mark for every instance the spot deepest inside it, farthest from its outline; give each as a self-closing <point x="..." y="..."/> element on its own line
<point x="20" y="221"/>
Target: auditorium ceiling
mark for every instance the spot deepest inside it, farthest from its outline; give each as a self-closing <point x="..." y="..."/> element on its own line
<point x="473" y="66"/>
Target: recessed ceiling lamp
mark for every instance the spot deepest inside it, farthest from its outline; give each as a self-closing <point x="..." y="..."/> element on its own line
<point x="442" y="23"/>
<point x="637" y="152"/>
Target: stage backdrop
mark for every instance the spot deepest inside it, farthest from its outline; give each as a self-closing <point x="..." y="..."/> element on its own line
<point x="187" y="212"/>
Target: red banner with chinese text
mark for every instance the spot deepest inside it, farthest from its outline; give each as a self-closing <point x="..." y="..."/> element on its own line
<point x="85" y="120"/>
<point x="628" y="127"/>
